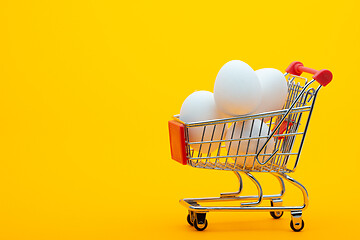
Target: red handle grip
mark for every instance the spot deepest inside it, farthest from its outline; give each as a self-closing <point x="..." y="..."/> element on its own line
<point x="323" y="76"/>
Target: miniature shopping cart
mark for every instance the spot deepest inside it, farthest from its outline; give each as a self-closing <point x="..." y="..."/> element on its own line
<point x="286" y="137"/>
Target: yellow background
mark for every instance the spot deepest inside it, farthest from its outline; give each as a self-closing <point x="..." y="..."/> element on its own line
<point x="87" y="88"/>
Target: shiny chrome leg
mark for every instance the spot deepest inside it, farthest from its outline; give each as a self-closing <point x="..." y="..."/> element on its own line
<point x="298" y="185"/>
<point x="259" y="191"/>
<point x="234" y="194"/>
<point x="282" y="185"/>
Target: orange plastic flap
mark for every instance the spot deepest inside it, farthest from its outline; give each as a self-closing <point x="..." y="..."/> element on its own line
<point x="177" y="142"/>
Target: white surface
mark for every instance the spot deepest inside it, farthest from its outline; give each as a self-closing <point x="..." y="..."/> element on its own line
<point x="200" y="106"/>
<point x="274" y="90"/>
<point x="237" y="90"/>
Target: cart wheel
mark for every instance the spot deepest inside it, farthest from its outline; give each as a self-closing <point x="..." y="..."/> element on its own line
<point x="200" y="227"/>
<point x="276" y="214"/>
<point x="297" y="228"/>
<point x="189" y="220"/>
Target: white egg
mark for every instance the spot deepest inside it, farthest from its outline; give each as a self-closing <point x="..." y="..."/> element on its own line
<point x="274" y="90"/>
<point x="237" y="89"/>
<point x="200" y="106"/>
<point x="246" y="129"/>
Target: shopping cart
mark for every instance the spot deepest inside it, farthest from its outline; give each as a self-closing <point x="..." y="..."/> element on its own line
<point x="288" y="130"/>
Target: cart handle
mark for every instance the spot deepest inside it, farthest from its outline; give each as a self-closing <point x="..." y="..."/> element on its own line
<point x="323" y="76"/>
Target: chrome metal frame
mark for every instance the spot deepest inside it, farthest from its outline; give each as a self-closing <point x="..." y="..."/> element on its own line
<point x="297" y="109"/>
<point x="193" y="203"/>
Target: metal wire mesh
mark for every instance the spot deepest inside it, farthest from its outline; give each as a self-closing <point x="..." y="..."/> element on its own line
<point x="248" y="143"/>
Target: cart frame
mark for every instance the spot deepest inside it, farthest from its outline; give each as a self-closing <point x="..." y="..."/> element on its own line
<point x="301" y="100"/>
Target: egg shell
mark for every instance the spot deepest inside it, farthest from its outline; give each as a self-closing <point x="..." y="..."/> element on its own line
<point x="200" y="106"/>
<point x="237" y="90"/>
<point x="274" y="90"/>
<point x="249" y="128"/>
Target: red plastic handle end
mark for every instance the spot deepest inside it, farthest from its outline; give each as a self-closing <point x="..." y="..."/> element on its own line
<point x="293" y="68"/>
<point x="323" y="76"/>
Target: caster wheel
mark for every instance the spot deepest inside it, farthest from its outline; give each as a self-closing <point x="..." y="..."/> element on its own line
<point x="189" y="220"/>
<point x="200" y="227"/>
<point x="277" y="214"/>
<point x="297" y="228"/>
